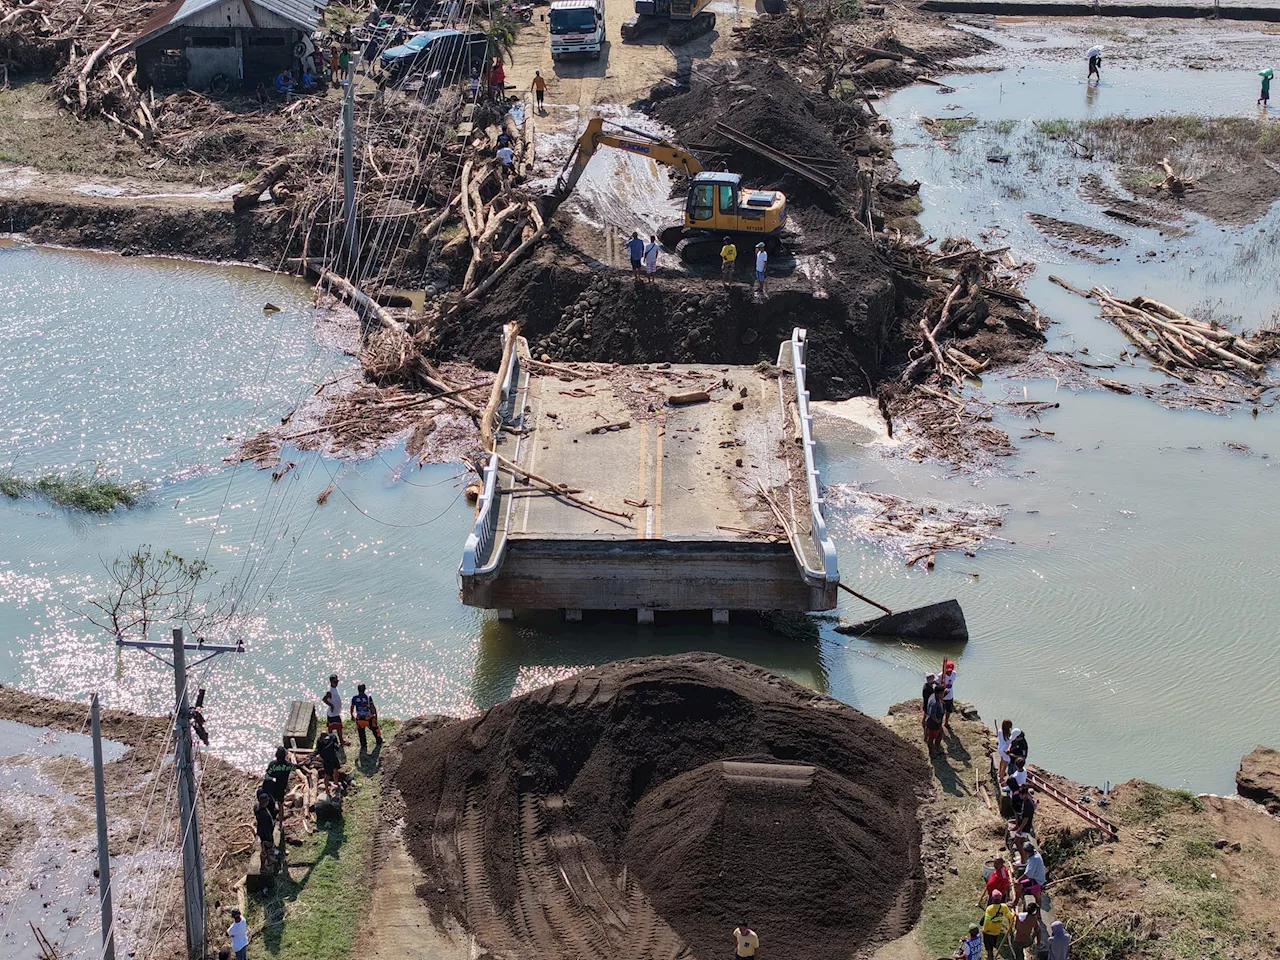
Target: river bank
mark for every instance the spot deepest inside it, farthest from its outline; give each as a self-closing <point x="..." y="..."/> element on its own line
<point x="1191" y="875"/>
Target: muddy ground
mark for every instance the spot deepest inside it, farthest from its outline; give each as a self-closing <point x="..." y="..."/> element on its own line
<point x="52" y="841"/>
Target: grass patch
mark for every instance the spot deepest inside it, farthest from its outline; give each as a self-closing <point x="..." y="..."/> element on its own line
<point x="1117" y="940"/>
<point x="945" y="920"/>
<point x="1002" y="127"/>
<point x="1060" y="129"/>
<point x="91" y="491"/>
<point x="953" y="126"/>
<point x="1189" y="877"/>
<point x="316" y="910"/>
<point x="1193" y="145"/>
<point x="1154" y="802"/>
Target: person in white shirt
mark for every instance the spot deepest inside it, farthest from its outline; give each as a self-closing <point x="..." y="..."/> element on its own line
<point x="762" y="266"/>
<point x="332" y="700"/>
<point x="239" y="934"/>
<point x="506" y="159"/>
<point x="1003" y="739"/>
<point x="651" y="258"/>
<point x="947" y="680"/>
<point x="745" y="941"/>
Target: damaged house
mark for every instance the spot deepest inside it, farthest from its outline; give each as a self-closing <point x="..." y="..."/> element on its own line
<point x="221" y="45"/>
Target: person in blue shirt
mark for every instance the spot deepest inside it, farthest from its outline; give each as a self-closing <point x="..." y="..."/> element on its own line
<point x="284" y="83"/>
<point x="635" y="246"/>
<point x="365" y="713"/>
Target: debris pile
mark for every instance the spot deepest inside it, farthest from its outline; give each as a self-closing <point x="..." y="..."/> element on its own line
<point x="1186" y="347"/>
<point x="617" y="793"/>
<point x="915" y="530"/>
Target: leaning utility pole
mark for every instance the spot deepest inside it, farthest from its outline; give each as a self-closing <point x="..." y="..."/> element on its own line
<point x="184" y="770"/>
<point x="104" y="853"/>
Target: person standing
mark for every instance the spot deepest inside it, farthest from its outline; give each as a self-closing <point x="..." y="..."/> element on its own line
<point x="344" y="65"/>
<point x="971" y="946"/>
<point x="635" y="247"/>
<point x="277" y="782"/>
<point x="335" y="56"/>
<point x="330" y="761"/>
<point x="1032" y="879"/>
<point x="332" y="701"/>
<point x="1059" y="941"/>
<point x="1265" y="95"/>
<point x="996" y="920"/>
<point x="1095" y="63"/>
<point x="998" y="881"/>
<point x="539" y="88"/>
<point x="264" y="823"/>
<point x="1019" y="774"/>
<point x="365" y="713"/>
<point x="947" y="680"/>
<point x="1018" y="746"/>
<point x="926" y="694"/>
<point x="1027" y="937"/>
<point x="745" y="941"/>
<point x="935" y="714"/>
<point x="1026" y="819"/>
<point x="762" y="267"/>
<point x="239" y="934"/>
<point x="651" y="258"/>
<point x="728" y="260"/>
<point x="1002" y="748"/>
<point x="497" y="79"/>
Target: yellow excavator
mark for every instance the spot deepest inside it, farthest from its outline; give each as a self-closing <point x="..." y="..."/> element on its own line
<point x="716" y="206"/>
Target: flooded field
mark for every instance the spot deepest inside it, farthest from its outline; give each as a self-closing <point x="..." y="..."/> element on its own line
<point x="1126" y="626"/>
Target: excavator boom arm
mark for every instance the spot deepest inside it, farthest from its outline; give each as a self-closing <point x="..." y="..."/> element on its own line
<point x="594" y="137"/>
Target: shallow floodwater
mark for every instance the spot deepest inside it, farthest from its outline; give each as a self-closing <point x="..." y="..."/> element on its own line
<point x="1127" y="628"/>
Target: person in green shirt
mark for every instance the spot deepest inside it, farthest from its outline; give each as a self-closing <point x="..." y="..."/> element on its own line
<point x="728" y="257"/>
<point x="1266" y="76"/>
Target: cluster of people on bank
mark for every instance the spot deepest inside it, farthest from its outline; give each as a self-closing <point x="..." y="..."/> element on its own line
<point x="1011" y="900"/>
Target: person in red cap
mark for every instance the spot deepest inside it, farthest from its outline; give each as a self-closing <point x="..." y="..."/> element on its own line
<point x="996" y="921"/>
<point x="946" y="680"/>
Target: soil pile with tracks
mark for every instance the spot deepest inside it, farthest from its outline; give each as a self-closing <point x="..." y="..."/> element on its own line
<point x="645" y="807"/>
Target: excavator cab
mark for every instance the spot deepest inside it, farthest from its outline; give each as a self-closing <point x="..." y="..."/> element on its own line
<point x="717" y="202"/>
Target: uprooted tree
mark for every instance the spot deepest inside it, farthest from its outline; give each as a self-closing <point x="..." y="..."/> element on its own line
<point x="149" y="589"/>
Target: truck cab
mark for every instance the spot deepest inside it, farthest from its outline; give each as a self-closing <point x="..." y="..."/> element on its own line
<point x="718" y="202"/>
<point x="577" y="26"/>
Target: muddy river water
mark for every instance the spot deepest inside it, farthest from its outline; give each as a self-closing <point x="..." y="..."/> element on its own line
<point x="1129" y="626"/>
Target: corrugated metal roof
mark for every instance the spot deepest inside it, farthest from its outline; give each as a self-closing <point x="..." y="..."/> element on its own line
<point x="305" y="14"/>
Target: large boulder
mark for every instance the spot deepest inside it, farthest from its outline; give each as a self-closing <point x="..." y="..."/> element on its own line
<point x="1259" y="778"/>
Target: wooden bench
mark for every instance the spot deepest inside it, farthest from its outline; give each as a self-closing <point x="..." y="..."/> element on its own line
<point x="300" y="730"/>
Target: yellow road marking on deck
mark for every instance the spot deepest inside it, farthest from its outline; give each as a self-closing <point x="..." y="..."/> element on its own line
<point x="643" y="529"/>
<point x="657" y="481"/>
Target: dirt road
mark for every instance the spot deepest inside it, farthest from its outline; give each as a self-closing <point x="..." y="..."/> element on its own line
<point x="625" y="71"/>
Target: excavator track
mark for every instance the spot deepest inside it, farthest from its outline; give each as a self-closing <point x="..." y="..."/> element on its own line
<point x="698" y="249"/>
<point x="681" y="32"/>
<point x="637" y="26"/>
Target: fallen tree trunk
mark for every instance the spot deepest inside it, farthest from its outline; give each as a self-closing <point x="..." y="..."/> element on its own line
<point x="87" y="69"/>
<point x="247" y="197"/>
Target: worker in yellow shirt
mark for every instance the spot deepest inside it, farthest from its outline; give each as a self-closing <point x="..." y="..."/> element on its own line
<point x="728" y="257"/>
<point x="996" y="921"/>
<point x="745" y="941"/>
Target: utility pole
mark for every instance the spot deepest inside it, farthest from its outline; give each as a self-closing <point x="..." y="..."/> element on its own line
<point x="184" y="770"/>
<point x="104" y="853"/>
<point x="348" y="173"/>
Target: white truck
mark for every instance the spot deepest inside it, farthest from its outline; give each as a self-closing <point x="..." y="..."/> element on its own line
<point x="577" y="26"/>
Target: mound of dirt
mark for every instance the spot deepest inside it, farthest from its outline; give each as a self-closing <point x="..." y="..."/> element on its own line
<point x="647" y="806"/>
<point x="571" y="312"/>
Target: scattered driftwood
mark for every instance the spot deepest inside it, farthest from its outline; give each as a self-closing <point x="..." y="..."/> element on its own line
<point x="685" y="399"/>
<point x="916" y="531"/>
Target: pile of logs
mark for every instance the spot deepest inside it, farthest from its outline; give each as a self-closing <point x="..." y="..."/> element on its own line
<point x="1184" y="346"/>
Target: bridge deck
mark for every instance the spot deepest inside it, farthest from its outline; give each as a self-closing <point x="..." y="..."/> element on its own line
<point x="682" y="520"/>
<point x="677" y="465"/>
